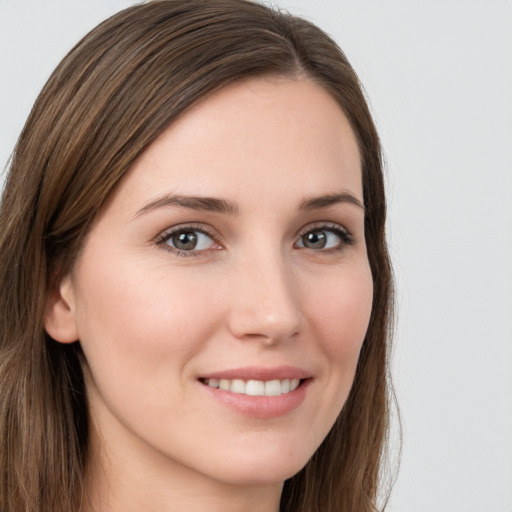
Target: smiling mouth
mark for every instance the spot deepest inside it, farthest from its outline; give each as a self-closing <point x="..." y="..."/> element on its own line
<point x="255" y="387"/>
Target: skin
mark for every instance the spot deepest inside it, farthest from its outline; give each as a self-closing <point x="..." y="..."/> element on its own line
<point x="152" y="321"/>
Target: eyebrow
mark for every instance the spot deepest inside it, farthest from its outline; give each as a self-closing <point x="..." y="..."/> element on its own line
<point x="224" y="206"/>
<point x="209" y="204"/>
<point x="318" y="202"/>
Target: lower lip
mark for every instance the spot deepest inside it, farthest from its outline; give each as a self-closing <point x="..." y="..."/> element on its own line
<point x="262" y="407"/>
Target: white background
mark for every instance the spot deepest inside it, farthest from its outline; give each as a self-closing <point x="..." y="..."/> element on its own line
<point x="439" y="78"/>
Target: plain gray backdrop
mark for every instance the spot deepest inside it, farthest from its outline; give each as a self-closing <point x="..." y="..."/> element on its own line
<point x="439" y="79"/>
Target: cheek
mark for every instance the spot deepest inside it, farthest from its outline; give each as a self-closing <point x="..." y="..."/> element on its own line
<point x="134" y="321"/>
<point x="339" y="318"/>
<point x="139" y="331"/>
<point x="342" y="312"/>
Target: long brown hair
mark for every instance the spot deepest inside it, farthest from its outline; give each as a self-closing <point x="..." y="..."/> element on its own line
<point x="110" y="97"/>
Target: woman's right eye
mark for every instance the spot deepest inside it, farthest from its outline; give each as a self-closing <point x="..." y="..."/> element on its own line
<point x="187" y="241"/>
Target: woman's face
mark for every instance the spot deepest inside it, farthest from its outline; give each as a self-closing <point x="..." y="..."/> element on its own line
<point x="232" y="255"/>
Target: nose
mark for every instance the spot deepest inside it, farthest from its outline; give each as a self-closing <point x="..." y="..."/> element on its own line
<point x="265" y="303"/>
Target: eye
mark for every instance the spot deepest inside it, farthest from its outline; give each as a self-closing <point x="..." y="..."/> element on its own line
<point x="323" y="238"/>
<point x="187" y="241"/>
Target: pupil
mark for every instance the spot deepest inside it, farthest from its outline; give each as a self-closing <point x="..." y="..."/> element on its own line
<point x="315" y="240"/>
<point x="185" y="241"/>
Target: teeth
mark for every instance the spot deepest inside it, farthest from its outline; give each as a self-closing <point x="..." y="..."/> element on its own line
<point x="224" y="384"/>
<point x="273" y="388"/>
<point x="237" y="386"/>
<point x="255" y="387"/>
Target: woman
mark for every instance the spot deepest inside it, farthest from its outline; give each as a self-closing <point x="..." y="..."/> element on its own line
<point x="196" y="286"/>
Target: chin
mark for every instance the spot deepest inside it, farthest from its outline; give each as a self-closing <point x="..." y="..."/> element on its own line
<point x="267" y="474"/>
<point x="263" y="467"/>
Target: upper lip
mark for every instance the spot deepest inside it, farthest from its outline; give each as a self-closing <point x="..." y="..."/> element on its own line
<point x="260" y="373"/>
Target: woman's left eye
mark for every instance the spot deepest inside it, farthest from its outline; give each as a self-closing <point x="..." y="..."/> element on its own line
<point x="187" y="240"/>
<point x="325" y="238"/>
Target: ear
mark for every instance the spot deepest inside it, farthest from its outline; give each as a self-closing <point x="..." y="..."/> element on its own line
<point x="60" y="321"/>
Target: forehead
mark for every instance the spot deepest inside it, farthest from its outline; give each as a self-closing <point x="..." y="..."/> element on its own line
<point x="251" y="136"/>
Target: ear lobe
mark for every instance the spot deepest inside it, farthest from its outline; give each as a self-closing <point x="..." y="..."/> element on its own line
<point x="60" y="322"/>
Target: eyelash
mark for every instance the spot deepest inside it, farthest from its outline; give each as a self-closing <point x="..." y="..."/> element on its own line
<point x="346" y="238"/>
